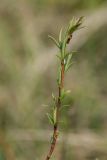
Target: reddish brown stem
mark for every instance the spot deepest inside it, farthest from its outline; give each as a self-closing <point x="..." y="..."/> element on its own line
<point x="55" y="130"/>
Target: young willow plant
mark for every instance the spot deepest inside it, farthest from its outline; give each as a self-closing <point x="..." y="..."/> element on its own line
<point x="65" y="62"/>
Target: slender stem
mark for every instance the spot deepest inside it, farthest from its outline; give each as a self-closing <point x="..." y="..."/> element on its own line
<point x="65" y="63"/>
<point x="55" y="129"/>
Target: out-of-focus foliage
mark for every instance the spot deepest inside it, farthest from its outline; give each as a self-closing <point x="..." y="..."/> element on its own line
<point x="28" y="76"/>
<point x="63" y="5"/>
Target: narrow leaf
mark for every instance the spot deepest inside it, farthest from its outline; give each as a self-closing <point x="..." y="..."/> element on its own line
<point x="68" y="61"/>
<point x="74" y="25"/>
<point x="64" y="106"/>
<point x="58" y="56"/>
<point x="63" y="94"/>
<point x="54" y="98"/>
<point x="51" y="140"/>
<point x="59" y="75"/>
<point x="54" y="114"/>
<point x="50" y="118"/>
<point x="60" y="35"/>
<point x="54" y="40"/>
<point x="68" y="67"/>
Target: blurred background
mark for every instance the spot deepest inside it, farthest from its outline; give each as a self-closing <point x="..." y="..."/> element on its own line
<point x="28" y="71"/>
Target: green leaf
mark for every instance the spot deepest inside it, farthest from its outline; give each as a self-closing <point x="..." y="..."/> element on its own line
<point x="54" y="40"/>
<point x="54" y="114"/>
<point x="58" y="56"/>
<point x="54" y="98"/>
<point x="64" y="43"/>
<point x="59" y="75"/>
<point x="68" y="66"/>
<point x="81" y="27"/>
<point x="66" y="105"/>
<point x="51" y="120"/>
<point x="71" y="23"/>
<point x="74" y="25"/>
<point x="69" y="57"/>
<point x="51" y="140"/>
<point x="60" y="35"/>
<point x="80" y="19"/>
<point x="68" y="61"/>
<point x="63" y="94"/>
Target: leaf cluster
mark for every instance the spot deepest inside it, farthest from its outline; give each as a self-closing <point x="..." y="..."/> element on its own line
<point x="65" y="58"/>
<point x="65" y="36"/>
<point x="52" y="116"/>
